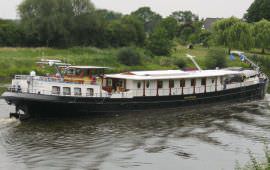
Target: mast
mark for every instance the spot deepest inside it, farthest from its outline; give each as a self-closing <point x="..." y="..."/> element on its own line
<point x="194" y="61"/>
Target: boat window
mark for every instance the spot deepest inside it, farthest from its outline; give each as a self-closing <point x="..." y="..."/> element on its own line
<point x="109" y="81"/>
<point x="171" y="83"/>
<point x="221" y="80"/>
<point x="213" y="81"/>
<point x="160" y="84"/>
<point x="55" y="90"/>
<point x="66" y="91"/>
<point x="90" y="92"/>
<point x="139" y="84"/>
<point x="203" y="81"/>
<point x="77" y="91"/>
<point x="78" y="72"/>
<point x="182" y="83"/>
<point x="193" y="82"/>
<point x="147" y="84"/>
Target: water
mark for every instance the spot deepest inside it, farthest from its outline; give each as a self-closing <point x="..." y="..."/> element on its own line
<point x="210" y="138"/>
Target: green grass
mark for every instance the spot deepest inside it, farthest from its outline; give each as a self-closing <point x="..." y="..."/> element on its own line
<point x="254" y="164"/>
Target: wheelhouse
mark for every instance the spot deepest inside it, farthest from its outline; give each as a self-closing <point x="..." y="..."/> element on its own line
<point x="83" y="74"/>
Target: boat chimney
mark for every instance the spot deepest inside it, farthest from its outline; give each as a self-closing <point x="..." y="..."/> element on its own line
<point x="32" y="73"/>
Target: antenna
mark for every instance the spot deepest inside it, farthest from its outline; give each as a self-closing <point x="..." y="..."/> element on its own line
<point x="194" y="61"/>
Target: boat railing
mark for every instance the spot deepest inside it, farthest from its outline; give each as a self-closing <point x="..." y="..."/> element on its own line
<point x="190" y="90"/>
<point x="40" y="78"/>
<point x="55" y="93"/>
<point x="137" y="92"/>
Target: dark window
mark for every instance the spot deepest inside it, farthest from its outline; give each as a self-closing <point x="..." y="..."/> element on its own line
<point x="203" y="81"/>
<point x="139" y="84"/>
<point x="171" y="83"/>
<point x="109" y="82"/>
<point x="160" y="84"/>
<point x="66" y="91"/>
<point x="77" y="91"/>
<point x="182" y="83"/>
<point x="213" y="81"/>
<point x="193" y="82"/>
<point x="90" y="92"/>
<point x="56" y="90"/>
<point x="147" y="84"/>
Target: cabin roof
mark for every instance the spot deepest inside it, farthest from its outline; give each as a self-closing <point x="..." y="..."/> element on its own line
<point x="171" y="74"/>
<point x="88" y="67"/>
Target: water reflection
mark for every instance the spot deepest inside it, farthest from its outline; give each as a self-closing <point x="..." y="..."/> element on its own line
<point x="194" y="138"/>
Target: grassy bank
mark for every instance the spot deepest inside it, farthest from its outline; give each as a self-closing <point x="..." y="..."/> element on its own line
<point x="22" y="60"/>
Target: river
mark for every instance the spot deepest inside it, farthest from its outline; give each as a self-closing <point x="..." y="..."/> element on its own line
<point x="201" y="138"/>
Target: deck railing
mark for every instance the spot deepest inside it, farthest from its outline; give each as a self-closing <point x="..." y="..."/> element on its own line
<point x="40" y="78"/>
<point x="137" y="92"/>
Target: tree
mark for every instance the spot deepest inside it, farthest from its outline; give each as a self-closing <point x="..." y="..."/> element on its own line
<point x="262" y="35"/>
<point x="216" y="58"/>
<point x="108" y="15"/>
<point x="204" y="38"/>
<point x="221" y="31"/>
<point x="49" y="22"/>
<point x="240" y="36"/>
<point x="170" y="25"/>
<point x="148" y="17"/>
<point x="125" y="32"/>
<point x="159" y="42"/>
<point x="11" y="33"/>
<point x="184" y="17"/>
<point x="258" y="10"/>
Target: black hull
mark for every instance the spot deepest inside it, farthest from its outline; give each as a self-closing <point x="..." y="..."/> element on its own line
<point x="42" y="105"/>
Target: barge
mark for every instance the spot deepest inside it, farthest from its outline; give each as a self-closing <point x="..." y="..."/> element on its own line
<point x="84" y="90"/>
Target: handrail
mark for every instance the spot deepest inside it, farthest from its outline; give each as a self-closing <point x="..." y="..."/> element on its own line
<point x="140" y="92"/>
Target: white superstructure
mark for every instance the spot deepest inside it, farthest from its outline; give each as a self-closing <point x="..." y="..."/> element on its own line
<point x="134" y="83"/>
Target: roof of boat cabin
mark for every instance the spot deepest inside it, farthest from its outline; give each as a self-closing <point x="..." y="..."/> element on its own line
<point x="88" y="67"/>
<point x="171" y="74"/>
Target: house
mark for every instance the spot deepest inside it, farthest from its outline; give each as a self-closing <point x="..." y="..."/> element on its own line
<point x="208" y="22"/>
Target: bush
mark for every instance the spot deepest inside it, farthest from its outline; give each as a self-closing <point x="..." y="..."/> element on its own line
<point x="159" y="42"/>
<point x="216" y="58"/>
<point x="129" y="56"/>
<point x="165" y="61"/>
<point x="181" y="62"/>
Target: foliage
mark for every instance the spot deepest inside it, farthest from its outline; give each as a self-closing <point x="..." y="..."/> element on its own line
<point x="185" y="32"/>
<point x="204" y="38"/>
<point x="170" y="25"/>
<point x="149" y="18"/>
<point x="129" y="56"/>
<point x="159" y="42"/>
<point x="184" y="17"/>
<point x="233" y="33"/>
<point x="10" y="33"/>
<point x="48" y="22"/>
<point x="256" y="165"/>
<point x="258" y="10"/>
<point x="216" y="58"/>
<point x="126" y="31"/>
<point x="108" y="15"/>
<point x="262" y="34"/>
<point x="240" y="36"/>
<point x="181" y="62"/>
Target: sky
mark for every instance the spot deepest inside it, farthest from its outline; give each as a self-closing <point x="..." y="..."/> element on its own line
<point x="203" y="8"/>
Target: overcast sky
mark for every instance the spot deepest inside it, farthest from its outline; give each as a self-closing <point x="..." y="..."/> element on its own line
<point x="203" y="8"/>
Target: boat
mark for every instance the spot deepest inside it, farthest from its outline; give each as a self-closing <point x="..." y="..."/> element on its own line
<point x="85" y="90"/>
